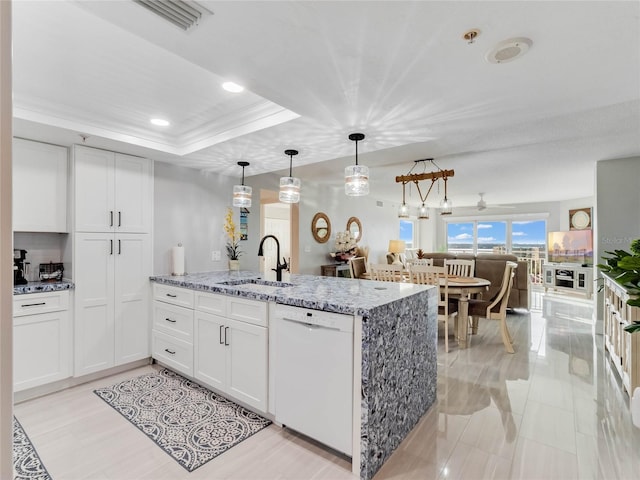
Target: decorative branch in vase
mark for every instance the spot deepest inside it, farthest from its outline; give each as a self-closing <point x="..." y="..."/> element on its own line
<point x="233" y="241"/>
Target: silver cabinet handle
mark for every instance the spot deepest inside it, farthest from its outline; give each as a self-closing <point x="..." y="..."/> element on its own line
<point x="170" y="320"/>
<point x="169" y="351"/>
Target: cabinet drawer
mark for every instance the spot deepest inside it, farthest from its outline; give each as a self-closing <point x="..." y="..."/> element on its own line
<point x="173" y="320"/>
<point x="175" y="295"/>
<point x="34" y="303"/>
<point x="173" y="352"/>
<point x="250" y="311"/>
<point x="211" y="303"/>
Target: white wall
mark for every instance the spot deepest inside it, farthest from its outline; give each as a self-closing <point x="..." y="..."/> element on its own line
<point x="189" y="208"/>
<point x="617" y="213"/>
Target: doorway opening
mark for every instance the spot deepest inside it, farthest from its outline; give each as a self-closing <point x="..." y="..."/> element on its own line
<point x="281" y="220"/>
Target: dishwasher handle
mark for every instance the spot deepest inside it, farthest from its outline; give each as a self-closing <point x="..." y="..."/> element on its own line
<point x="311" y="326"/>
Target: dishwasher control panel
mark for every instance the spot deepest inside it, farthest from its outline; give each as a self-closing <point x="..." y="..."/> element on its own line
<point x="335" y="321"/>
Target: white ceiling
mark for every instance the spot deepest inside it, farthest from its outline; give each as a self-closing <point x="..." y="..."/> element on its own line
<point x="524" y="131"/>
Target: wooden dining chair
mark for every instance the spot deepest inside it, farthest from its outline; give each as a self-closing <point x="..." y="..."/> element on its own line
<point x="421" y="261"/>
<point x="358" y="266"/>
<point x="459" y="267"/>
<point x="430" y="275"/>
<point x="385" y="272"/>
<point x="496" y="308"/>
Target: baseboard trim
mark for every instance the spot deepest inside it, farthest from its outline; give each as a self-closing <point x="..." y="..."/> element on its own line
<point x="42" y="390"/>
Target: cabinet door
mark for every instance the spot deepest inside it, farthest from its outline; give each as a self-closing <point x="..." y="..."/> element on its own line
<point x="247" y="363"/>
<point x="39" y="187"/>
<point x="132" y="254"/>
<point x="41" y="349"/>
<point x="94" y="320"/>
<point x="94" y="190"/>
<point x="210" y="351"/>
<point x="133" y="194"/>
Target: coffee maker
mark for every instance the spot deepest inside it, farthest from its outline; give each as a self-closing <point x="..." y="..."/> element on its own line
<point x="19" y="266"/>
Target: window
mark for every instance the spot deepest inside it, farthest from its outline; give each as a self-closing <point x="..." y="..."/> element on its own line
<point x="407" y="232"/>
<point x="461" y="237"/>
<point x="492" y="237"/>
<point x="524" y="238"/>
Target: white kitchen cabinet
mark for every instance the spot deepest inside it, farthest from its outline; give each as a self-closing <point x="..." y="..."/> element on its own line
<point x="173" y="330"/>
<point x="228" y="340"/>
<point x="111" y="274"/>
<point x="41" y="339"/>
<point x="39" y="186"/>
<point x="112" y="191"/>
<point x="230" y="349"/>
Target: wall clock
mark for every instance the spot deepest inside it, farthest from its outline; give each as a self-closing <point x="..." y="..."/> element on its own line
<point x="580" y="218"/>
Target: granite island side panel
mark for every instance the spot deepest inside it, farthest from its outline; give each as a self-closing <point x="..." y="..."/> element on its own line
<point x="398" y="347"/>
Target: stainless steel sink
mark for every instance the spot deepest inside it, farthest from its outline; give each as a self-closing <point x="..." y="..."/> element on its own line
<point x="257" y="285"/>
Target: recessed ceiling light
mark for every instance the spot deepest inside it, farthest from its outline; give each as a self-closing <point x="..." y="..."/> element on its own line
<point x="160" y="122"/>
<point x="232" y="87"/>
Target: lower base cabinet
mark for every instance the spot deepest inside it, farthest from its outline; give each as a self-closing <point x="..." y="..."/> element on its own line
<point x="41" y="339"/>
<point x="231" y="356"/>
<point x="219" y="340"/>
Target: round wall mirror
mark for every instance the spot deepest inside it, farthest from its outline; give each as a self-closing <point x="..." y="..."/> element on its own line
<point x="355" y="228"/>
<point x="321" y="227"/>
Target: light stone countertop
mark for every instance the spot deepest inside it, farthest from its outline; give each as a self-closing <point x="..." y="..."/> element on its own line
<point x="42" y="287"/>
<point x="330" y="294"/>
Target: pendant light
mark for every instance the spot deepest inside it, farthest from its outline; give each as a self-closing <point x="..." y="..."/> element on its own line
<point x="403" y="211"/>
<point x="446" y="204"/>
<point x="356" y="177"/>
<point x="242" y="193"/>
<point x="289" y="186"/>
<point x="423" y="212"/>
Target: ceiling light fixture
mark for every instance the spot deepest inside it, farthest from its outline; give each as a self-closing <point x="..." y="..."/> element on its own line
<point x="289" y="186"/>
<point x="160" y="122"/>
<point x="232" y="87"/>
<point x="242" y="193"/>
<point x="434" y="176"/>
<point x="356" y="177"/>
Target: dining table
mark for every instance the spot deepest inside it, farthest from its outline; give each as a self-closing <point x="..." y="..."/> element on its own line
<point x="462" y="288"/>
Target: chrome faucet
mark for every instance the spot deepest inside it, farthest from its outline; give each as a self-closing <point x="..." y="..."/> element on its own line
<point x="279" y="266"/>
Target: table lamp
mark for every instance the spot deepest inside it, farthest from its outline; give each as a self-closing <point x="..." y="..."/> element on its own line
<point x="396" y="247"/>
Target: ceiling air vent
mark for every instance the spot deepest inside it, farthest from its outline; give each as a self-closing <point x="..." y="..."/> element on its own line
<point x="185" y="14"/>
<point x="509" y="50"/>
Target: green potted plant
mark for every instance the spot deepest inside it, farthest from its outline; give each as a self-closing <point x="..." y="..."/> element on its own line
<point x="233" y="241"/>
<point x="624" y="268"/>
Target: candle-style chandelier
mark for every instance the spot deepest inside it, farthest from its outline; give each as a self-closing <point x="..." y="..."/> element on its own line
<point x="416" y="178"/>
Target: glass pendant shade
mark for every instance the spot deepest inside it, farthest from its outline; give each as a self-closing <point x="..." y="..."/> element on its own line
<point x="289" y="186"/>
<point x="356" y="177"/>
<point x="242" y="196"/>
<point x="446" y="206"/>
<point x="242" y="193"/>
<point x="289" y="190"/>
<point x="423" y="212"/>
<point x="356" y="180"/>
<point x="403" y="211"/>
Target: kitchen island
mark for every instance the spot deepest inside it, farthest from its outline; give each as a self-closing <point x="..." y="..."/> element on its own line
<point x="395" y="339"/>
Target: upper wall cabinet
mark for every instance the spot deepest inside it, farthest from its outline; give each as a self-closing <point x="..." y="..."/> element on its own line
<point x="39" y="187"/>
<point x="112" y="191"/>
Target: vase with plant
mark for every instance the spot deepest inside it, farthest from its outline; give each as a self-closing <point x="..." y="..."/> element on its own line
<point x="233" y="241"/>
<point x="624" y="268"/>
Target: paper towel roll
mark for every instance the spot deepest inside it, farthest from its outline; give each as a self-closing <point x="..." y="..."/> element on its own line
<point x="177" y="260"/>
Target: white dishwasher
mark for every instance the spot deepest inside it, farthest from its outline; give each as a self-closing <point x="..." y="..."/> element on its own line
<point x="314" y="374"/>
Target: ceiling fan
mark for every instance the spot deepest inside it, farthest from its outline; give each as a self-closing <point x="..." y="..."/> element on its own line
<point x="482" y="204"/>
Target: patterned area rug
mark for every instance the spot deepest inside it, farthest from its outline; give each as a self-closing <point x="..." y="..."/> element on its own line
<point x="26" y="462"/>
<point x="189" y="422"/>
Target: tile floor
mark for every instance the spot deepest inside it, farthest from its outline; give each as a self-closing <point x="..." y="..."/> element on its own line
<point x="553" y="410"/>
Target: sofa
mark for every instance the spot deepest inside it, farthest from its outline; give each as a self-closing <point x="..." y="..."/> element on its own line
<point x="491" y="266"/>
